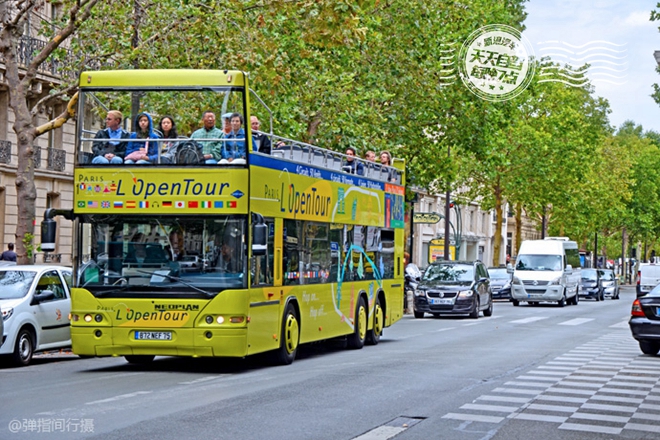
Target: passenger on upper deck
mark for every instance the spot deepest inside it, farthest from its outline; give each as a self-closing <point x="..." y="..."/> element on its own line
<point x="212" y="150"/>
<point x="167" y="128"/>
<point x="386" y="159"/>
<point x="226" y="124"/>
<point x="260" y="141"/>
<point x="106" y="152"/>
<point x="370" y="156"/>
<point x="234" y="150"/>
<point x="351" y="165"/>
<point x="142" y="152"/>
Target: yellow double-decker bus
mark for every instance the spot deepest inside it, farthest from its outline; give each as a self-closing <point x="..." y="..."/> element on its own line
<point x="195" y="252"/>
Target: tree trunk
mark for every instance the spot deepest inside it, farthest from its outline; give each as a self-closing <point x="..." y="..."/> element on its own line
<point x="519" y="209"/>
<point x="497" y="245"/>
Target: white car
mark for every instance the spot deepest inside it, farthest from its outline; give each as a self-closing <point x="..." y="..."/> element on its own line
<point x="35" y="303"/>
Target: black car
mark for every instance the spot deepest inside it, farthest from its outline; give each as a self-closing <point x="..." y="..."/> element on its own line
<point x="645" y="321"/>
<point x="591" y="286"/>
<point x="500" y="282"/>
<point x="454" y="287"/>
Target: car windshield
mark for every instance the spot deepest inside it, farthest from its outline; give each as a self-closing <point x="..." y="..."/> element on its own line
<point x="589" y="275"/>
<point x="606" y="275"/>
<point x="539" y="262"/>
<point x="15" y="283"/>
<point x="498" y="274"/>
<point x="449" y="272"/>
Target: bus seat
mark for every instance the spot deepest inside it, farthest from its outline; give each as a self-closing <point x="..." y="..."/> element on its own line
<point x="318" y="158"/>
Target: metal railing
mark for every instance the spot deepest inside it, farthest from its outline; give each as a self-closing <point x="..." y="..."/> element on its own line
<point x="28" y="46"/>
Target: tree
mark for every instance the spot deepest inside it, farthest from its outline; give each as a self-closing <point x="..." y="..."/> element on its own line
<point x="13" y="18"/>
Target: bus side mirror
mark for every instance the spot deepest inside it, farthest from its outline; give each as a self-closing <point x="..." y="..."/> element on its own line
<point x="48" y="234"/>
<point x="259" y="235"/>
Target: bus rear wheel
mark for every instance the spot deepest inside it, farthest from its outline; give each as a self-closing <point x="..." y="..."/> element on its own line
<point x="373" y="335"/>
<point x="290" y="337"/>
<point x="357" y="338"/>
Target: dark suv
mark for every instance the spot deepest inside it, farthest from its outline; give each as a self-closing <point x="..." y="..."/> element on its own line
<point x="454" y="287"/>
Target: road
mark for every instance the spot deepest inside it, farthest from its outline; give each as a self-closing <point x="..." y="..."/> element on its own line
<point x="544" y="371"/>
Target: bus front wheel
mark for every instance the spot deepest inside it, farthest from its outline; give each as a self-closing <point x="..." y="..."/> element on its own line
<point x="289" y="338"/>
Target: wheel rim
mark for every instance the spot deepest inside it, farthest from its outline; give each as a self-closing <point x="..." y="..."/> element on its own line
<point x="24" y="347"/>
<point x="378" y="320"/>
<point x="291" y="332"/>
<point x="362" y="322"/>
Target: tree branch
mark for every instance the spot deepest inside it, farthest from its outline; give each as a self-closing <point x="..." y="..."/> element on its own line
<point x="59" y="121"/>
<point x="74" y="23"/>
<point x="67" y="91"/>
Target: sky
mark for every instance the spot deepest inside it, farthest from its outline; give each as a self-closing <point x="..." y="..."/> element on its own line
<point x="616" y="37"/>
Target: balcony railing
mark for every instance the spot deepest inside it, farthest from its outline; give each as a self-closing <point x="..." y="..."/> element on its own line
<point x="28" y="46"/>
<point x="5" y="152"/>
<point x="56" y="159"/>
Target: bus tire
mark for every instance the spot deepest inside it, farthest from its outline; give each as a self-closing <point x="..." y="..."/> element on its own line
<point x="373" y="335"/>
<point x="139" y="358"/>
<point x="289" y="338"/>
<point x="357" y="338"/>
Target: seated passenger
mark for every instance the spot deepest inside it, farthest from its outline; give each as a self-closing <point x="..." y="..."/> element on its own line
<point x="234" y="150"/>
<point x="142" y="152"/>
<point x="111" y="151"/>
<point x="212" y="150"/>
<point x="167" y="128"/>
<point x="260" y="142"/>
<point x="351" y="165"/>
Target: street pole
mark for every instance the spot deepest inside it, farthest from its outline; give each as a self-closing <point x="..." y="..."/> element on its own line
<point x="596" y="250"/>
<point x="447" y="197"/>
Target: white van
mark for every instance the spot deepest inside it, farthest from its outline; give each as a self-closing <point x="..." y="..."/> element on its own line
<point x="648" y="276"/>
<point x="546" y="270"/>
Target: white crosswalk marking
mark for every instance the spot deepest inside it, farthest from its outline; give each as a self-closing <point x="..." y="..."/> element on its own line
<point x="528" y="320"/>
<point x="576" y="321"/>
<point x="598" y="387"/>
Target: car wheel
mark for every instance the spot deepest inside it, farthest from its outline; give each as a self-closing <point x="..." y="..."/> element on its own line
<point x="289" y="338"/>
<point x="562" y="301"/>
<point x="515" y="302"/>
<point x="23" y="349"/>
<point x="359" y="335"/>
<point x="418" y="315"/>
<point x="475" y="313"/>
<point x="489" y="310"/>
<point x="373" y="335"/>
<point x="139" y="358"/>
<point x="649" y="347"/>
<point x="576" y="298"/>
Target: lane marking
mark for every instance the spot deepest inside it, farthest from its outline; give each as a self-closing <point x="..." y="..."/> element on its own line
<point x="496" y="408"/>
<point x="528" y="320"/>
<point x="473" y="418"/>
<point x="576" y="321"/>
<point x="120" y="397"/>
<point x="590" y="428"/>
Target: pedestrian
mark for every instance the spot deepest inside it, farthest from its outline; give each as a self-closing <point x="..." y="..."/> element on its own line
<point x="9" y="254"/>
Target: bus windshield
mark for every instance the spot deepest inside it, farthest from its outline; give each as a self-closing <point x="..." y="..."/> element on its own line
<point x="163" y="254"/>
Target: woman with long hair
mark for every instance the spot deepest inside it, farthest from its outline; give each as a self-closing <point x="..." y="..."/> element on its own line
<point x="167" y="128"/>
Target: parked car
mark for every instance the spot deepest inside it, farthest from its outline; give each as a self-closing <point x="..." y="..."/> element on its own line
<point x="454" y="287"/>
<point x="500" y="282"/>
<point x="645" y="321"/>
<point x="609" y="283"/>
<point x="35" y="303"/>
<point x="591" y="284"/>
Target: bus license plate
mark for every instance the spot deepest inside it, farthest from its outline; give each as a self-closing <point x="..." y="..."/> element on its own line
<point x="153" y="336"/>
<point x="440" y="301"/>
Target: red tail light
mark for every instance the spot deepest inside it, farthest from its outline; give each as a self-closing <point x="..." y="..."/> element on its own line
<point x="639" y="276"/>
<point x="637" y="309"/>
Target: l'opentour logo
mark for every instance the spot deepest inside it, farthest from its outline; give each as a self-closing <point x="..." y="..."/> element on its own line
<point x="495" y="62"/>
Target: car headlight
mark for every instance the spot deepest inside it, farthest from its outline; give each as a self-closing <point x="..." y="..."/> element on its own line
<point x="507" y="285"/>
<point x="465" y="294"/>
<point x="555" y="282"/>
<point x="420" y="292"/>
<point x="608" y="283"/>
<point x="6" y="313"/>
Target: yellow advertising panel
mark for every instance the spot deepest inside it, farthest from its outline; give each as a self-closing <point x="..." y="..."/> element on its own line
<point x="284" y="189"/>
<point x="131" y="190"/>
<point x="161" y="78"/>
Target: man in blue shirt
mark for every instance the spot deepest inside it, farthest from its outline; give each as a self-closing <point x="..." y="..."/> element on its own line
<point x="110" y="148"/>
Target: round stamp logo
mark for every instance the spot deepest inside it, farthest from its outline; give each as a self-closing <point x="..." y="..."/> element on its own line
<point x="495" y="62"/>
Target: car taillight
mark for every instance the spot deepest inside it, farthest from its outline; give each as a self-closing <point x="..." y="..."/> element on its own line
<point x="637" y="309"/>
<point x="639" y="276"/>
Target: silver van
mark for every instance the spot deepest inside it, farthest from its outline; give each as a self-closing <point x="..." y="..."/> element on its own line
<point x="546" y="270"/>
